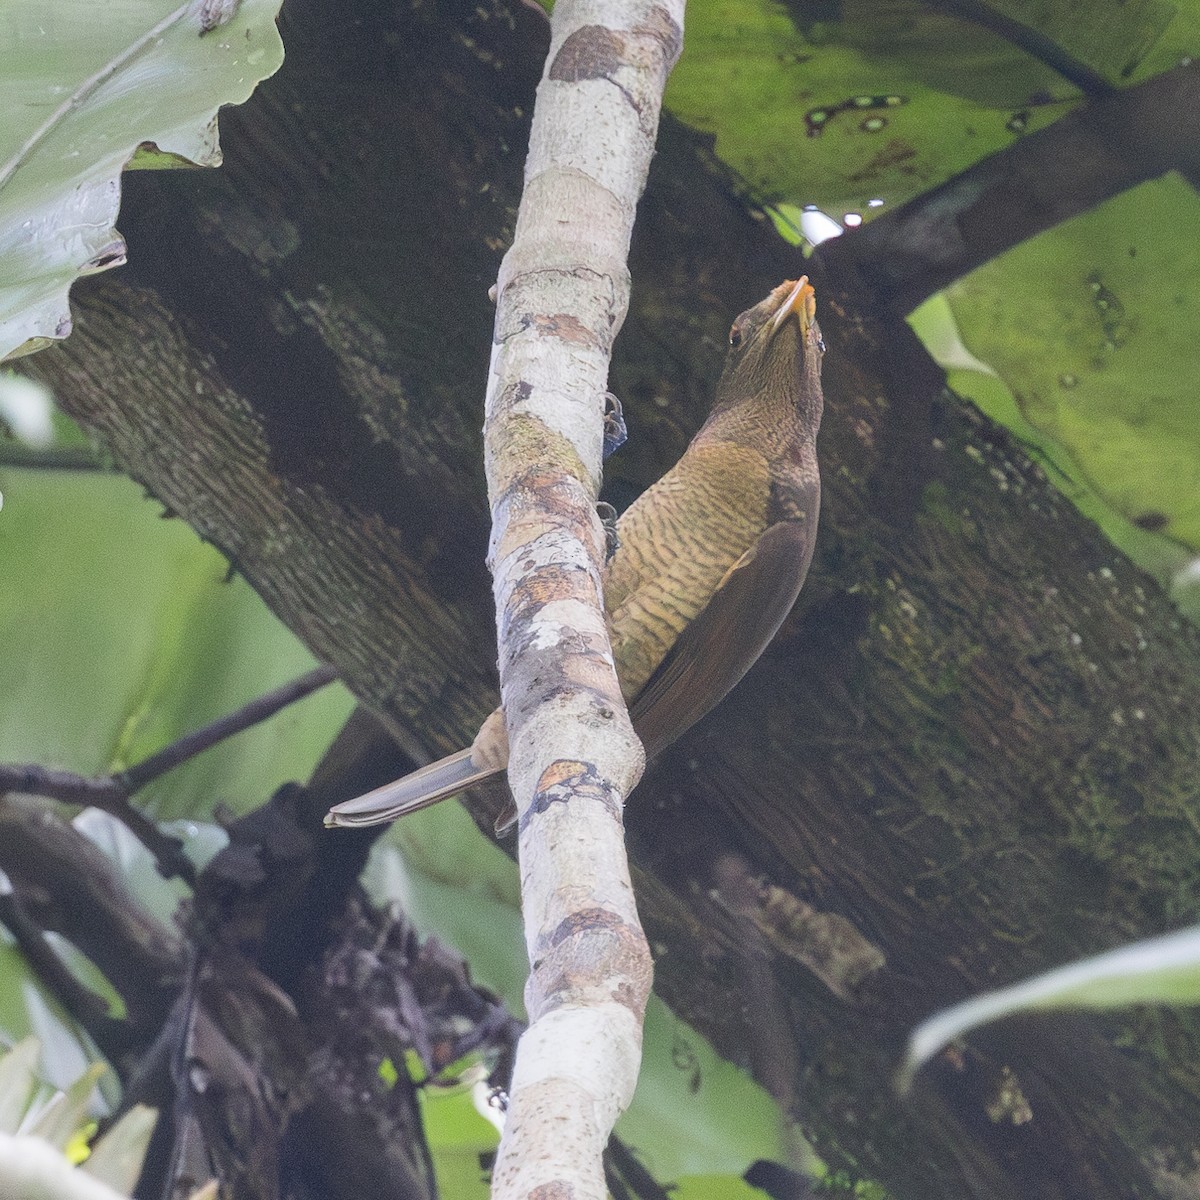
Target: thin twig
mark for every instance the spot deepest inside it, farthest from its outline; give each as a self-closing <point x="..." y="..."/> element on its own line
<point x="53" y="458"/>
<point x="111" y="793"/>
<point x="191" y="744"/>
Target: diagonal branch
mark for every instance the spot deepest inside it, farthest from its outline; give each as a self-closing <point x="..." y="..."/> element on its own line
<point x="196" y="742"/>
<point x="1036" y="44"/>
<point x="89" y="1008"/>
<point x="1104" y="148"/>
<point x="111" y="793"/>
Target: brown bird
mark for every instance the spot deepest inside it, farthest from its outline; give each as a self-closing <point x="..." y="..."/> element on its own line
<point x="710" y="558"/>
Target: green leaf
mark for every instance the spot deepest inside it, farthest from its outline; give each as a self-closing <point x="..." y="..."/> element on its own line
<point x="134" y="637"/>
<point x="881" y="101"/>
<point x="1164" y="970"/>
<point x="935" y="323"/>
<point x="117" y="1157"/>
<point x="33" y="1170"/>
<point x="693" y="1112"/>
<point x="714" y="1187"/>
<point x="457" y="1136"/>
<point x="58" y="1122"/>
<point x="1093" y="327"/>
<point x="84" y="86"/>
<point x="26" y="1010"/>
<point x="839" y="105"/>
<point x="19" y="1082"/>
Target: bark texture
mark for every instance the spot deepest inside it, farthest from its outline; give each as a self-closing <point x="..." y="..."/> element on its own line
<point x="561" y="298"/>
<point x="972" y="748"/>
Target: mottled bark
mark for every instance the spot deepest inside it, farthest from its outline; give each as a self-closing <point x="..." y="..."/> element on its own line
<point x="973" y="742"/>
<point x="561" y="298"/>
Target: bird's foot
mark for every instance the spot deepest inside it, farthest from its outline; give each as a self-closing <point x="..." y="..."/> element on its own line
<point x="615" y="432"/>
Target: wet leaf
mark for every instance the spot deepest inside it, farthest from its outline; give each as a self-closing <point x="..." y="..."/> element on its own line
<point x="1163" y="970"/>
<point x="82" y="87"/>
<point x="1093" y="327"/>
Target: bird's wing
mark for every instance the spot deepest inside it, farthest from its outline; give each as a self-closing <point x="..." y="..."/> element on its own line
<point x="727" y="636"/>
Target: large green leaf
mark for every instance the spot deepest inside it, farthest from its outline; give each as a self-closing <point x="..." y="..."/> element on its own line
<point x="84" y="84"/>
<point x="458" y="1138"/>
<point x="1163" y="558"/>
<point x="121" y="633"/>
<point x="880" y="104"/>
<point x="840" y="104"/>
<point x="1093" y="326"/>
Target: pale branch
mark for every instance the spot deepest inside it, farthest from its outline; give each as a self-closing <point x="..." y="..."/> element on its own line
<point x="112" y="793"/>
<point x="562" y="295"/>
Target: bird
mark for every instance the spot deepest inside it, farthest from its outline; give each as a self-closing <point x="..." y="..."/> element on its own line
<point x="708" y="562"/>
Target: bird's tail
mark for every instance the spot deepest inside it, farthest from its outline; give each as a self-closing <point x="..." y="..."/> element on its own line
<point x="418" y="790"/>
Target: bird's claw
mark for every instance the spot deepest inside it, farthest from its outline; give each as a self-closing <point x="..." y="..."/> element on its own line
<point x="615" y="432"/>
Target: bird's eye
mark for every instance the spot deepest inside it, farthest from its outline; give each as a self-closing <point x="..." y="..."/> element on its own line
<point x="735" y="337"/>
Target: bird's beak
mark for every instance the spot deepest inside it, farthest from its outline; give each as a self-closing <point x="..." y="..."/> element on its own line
<point x="801" y="300"/>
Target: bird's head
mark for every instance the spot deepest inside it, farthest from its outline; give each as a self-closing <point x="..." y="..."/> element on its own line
<point x="775" y="351"/>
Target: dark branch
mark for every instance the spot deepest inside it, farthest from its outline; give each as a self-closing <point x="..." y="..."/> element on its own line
<point x="112" y="793"/>
<point x="87" y="1007"/>
<point x="191" y="744"/>
<point x="1035" y="43"/>
<point x="69" y="885"/>
<point x="107" y="794"/>
<point x="1102" y="149"/>
<point x="56" y="458"/>
<point x="634" y="1179"/>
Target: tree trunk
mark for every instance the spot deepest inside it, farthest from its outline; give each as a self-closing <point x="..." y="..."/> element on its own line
<point x="972" y="746"/>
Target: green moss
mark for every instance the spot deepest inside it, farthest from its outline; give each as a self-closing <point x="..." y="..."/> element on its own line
<point x="1096" y="824"/>
<point x="532" y="441"/>
<point x="937" y="507"/>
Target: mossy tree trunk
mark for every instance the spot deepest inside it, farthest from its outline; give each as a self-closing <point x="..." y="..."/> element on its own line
<point x="973" y="741"/>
